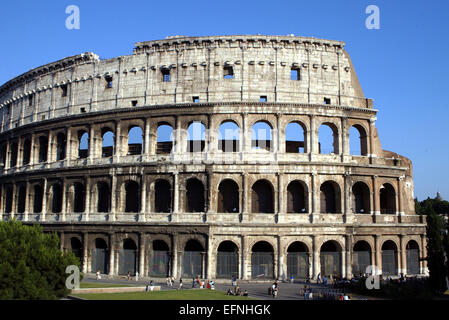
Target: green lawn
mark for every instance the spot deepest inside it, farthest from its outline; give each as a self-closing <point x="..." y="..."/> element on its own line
<point x="162" y="295"/>
<point x="85" y="285"/>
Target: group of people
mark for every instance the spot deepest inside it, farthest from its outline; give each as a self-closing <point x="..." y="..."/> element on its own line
<point x="170" y="281"/>
<point x="274" y="290"/>
<point x="199" y="283"/>
<point x="237" y="291"/>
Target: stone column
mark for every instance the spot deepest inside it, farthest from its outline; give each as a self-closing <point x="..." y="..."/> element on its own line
<point x="372" y="130"/>
<point x="85" y="251"/>
<point x="174" y="271"/>
<point x="112" y="249"/>
<point x="50" y="147"/>
<point x="87" y="207"/>
<point x="176" y="192"/>
<point x="423" y="251"/>
<point x="378" y="254"/>
<point x="32" y="149"/>
<point x="27" y="201"/>
<point x="245" y="271"/>
<point x="400" y="197"/>
<point x="44" y="200"/>
<point x="19" y="161"/>
<point x="316" y="257"/>
<point x="142" y="256"/>
<point x="348" y="211"/>
<point x="118" y="141"/>
<point x="281" y="134"/>
<point x="210" y="271"/>
<point x="147" y="138"/>
<point x="348" y="250"/>
<point x="315" y="196"/>
<point x="376" y="188"/>
<point x="143" y="198"/>
<point x="92" y="144"/>
<point x="402" y="255"/>
<point x="245" y="197"/>
<point x="245" y="134"/>
<point x="345" y="155"/>
<point x="281" y="194"/>
<point x="113" y="196"/>
<point x="65" y="192"/>
<point x="68" y="146"/>
<point x="313" y="145"/>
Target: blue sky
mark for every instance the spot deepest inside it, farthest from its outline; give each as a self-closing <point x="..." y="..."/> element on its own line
<point x="404" y="66"/>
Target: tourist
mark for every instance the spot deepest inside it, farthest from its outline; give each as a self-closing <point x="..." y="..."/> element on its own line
<point x="129" y="276"/>
<point x="305" y="293"/>
<point x="310" y="294"/>
<point x="318" y="278"/>
<point x="292" y="280"/>
<point x="167" y="281"/>
<point x="325" y="280"/>
<point x="233" y="280"/>
<point x="212" y="285"/>
<point x="172" y="282"/>
<point x="245" y="294"/>
<point x="137" y="276"/>
<point x="208" y="285"/>
<point x="229" y="293"/>
<point x="180" y="284"/>
<point x="151" y="285"/>
<point x="98" y="275"/>
<point x="193" y="282"/>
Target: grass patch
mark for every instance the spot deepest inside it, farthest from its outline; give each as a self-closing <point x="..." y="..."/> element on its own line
<point x="163" y="295"/>
<point x="86" y="285"/>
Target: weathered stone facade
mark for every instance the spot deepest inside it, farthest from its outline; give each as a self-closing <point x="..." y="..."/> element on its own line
<point x="280" y="207"/>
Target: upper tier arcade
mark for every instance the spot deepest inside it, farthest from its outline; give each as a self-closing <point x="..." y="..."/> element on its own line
<point x="184" y="70"/>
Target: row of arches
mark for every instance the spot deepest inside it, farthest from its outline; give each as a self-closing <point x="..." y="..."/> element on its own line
<point x="228" y="197"/>
<point x="228" y="140"/>
<point x="298" y="258"/>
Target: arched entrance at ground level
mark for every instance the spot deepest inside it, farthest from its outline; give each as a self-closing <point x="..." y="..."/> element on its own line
<point x="128" y="258"/>
<point x="228" y="197"/>
<point x="159" y="259"/>
<point x="77" y="248"/>
<point x="192" y="261"/>
<point x="262" y="197"/>
<point x="330" y="257"/>
<point x="262" y="261"/>
<point x="412" y="251"/>
<point x="361" y="258"/>
<point x="389" y="258"/>
<point x="227" y="260"/>
<point x="100" y="257"/>
<point x="298" y="261"/>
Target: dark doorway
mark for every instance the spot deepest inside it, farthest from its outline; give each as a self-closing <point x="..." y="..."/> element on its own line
<point x="21" y="199"/>
<point x="361" y="195"/>
<point x="56" y="201"/>
<point x="361" y="258"/>
<point x="262" y="261"/>
<point x="159" y="259"/>
<point x="38" y="197"/>
<point x="329" y="197"/>
<point x="330" y="257"/>
<point x="192" y="259"/>
<point x="195" y="196"/>
<point x="387" y="199"/>
<point x="60" y="146"/>
<point x="262" y="197"/>
<point x="412" y="251"/>
<point x="228" y="197"/>
<point x="26" y="152"/>
<point x="389" y="258"/>
<point x="100" y="257"/>
<point x="162" y="196"/>
<point x="103" y="197"/>
<point x="77" y="248"/>
<point x="227" y="260"/>
<point x="296" y="198"/>
<point x="132" y="196"/>
<point x="298" y="261"/>
<point x="43" y="148"/>
<point x="79" y="198"/>
<point x="128" y="258"/>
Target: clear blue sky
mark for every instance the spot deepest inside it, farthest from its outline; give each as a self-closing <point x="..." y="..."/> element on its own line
<point x="404" y="66"/>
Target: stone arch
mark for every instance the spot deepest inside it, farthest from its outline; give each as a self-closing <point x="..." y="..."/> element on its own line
<point x="107" y="142"/>
<point x="331" y="258"/>
<point x="79" y="197"/>
<point x="193" y="258"/>
<point x="164" y="136"/>
<point x="229" y="136"/>
<point x="412" y="257"/>
<point x="387" y="196"/>
<point x="131" y="191"/>
<point x="8" y="198"/>
<point x="328" y="138"/>
<point x="135" y="140"/>
<point x="262" y="260"/>
<point x="361" y="257"/>
<point x="196" y="136"/>
<point x="297" y="197"/>
<point x="262" y="135"/>
<point x="55" y="198"/>
<point x="103" y="197"/>
<point x="262" y="198"/>
<point x="361" y="198"/>
<point x="128" y="257"/>
<point x="330" y="197"/>
<point x="26" y="156"/>
<point x="83" y="144"/>
<point x="76" y="246"/>
<point x="358" y="145"/>
<point x="228" y="197"/>
<point x="296" y="137"/>
<point x="298" y="260"/>
<point x="21" y="197"/>
<point x="389" y="258"/>
<point x="61" y="145"/>
<point x="227" y="260"/>
<point x="100" y="256"/>
<point x="42" y="148"/>
<point x="162" y="196"/>
<point x="38" y="196"/>
<point x="195" y="196"/>
<point x="159" y="265"/>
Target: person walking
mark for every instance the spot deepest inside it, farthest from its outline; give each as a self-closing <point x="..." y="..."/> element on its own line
<point x="172" y="281"/>
<point x="129" y="275"/>
<point x="151" y="285"/>
<point x="318" y="278"/>
<point x="137" y="275"/>
<point x="180" y="284"/>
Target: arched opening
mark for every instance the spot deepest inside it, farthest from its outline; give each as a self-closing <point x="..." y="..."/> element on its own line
<point x="21" y="199"/>
<point x="3" y="155"/>
<point x="60" y="146"/>
<point x="196" y="137"/>
<point x="38" y="197"/>
<point x="361" y="198"/>
<point x="195" y="196"/>
<point x="164" y="138"/>
<point x="328" y="139"/>
<point x="358" y="141"/>
<point x="26" y="152"/>
<point x="100" y="257"/>
<point x="83" y="144"/>
<point x="227" y="260"/>
<point x="262" y="261"/>
<point x="412" y="253"/>
<point x="159" y="259"/>
<point x="229" y="137"/>
<point x="77" y="248"/>
<point x="330" y="197"/>
<point x="135" y="140"/>
<point x="330" y="257"/>
<point x="107" y="144"/>
<point x="228" y="197"/>
<point x="162" y="196"/>
<point x="43" y="148"/>
<point x="387" y="199"/>
<point x="389" y="258"/>
<point x="298" y="261"/>
<point x="8" y="200"/>
<point x="361" y="258"/>
<point x="262" y="197"/>
<point x="79" y="197"/>
<point x="13" y="155"/>
<point x="103" y="197"/>
<point x="296" y="198"/>
<point x="261" y="136"/>
<point x="128" y="258"/>
<point x="56" y="198"/>
<point x="132" y="203"/>
<point x="295" y="138"/>
<point x="192" y="259"/>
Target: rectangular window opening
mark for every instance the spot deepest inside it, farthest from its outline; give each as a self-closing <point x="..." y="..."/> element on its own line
<point x="165" y="75"/>
<point x="295" y="74"/>
<point x="64" y="90"/>
<point x="108" y="82"/>
<point x="196" y="99"/>
<point x="228" y="72"/>
<point x="327" y="100"/>
<point x="263" y="98"/>
<point x="134" y="103"/>
<point x="30" y="100"/>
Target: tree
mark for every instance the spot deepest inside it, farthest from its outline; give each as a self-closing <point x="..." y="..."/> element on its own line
<point x="31" y="264"/>
<point x="435" y="250"/>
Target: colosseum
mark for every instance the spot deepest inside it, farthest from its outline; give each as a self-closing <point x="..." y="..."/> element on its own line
<point x="208" y="156"/>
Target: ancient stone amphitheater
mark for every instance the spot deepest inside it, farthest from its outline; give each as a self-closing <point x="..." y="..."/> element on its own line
<point x="203" y="156"/>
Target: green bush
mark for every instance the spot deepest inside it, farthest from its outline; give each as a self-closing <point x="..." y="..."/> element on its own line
<point x="31" y="264"/>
